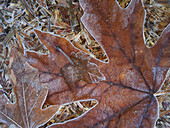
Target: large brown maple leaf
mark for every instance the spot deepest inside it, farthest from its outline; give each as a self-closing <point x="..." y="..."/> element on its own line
<point x="133" y="74"/>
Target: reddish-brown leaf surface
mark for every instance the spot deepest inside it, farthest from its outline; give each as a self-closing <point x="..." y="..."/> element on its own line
<point x="131" y="77"/>
<point x="63" y="69"/>
<point x="30" y="94"/>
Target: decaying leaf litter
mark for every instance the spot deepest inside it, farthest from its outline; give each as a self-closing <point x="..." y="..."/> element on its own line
<point x="19" y="20"/>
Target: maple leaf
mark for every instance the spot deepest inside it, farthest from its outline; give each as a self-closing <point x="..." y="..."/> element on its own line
<point x="133" y="74"/>
<point x="64" y="69"/>
<point x="26" y="111"/>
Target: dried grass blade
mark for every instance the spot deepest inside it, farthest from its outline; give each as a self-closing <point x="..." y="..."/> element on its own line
<point x="25" y="4"/>
<point x="8" y="37"/>
<point x="20" y="42"/>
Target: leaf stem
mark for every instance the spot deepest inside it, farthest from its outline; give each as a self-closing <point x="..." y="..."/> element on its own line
<point x="162" y="93"/>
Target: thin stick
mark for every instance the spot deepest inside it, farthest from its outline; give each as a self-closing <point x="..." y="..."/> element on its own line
<point x="164" y="113"/>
